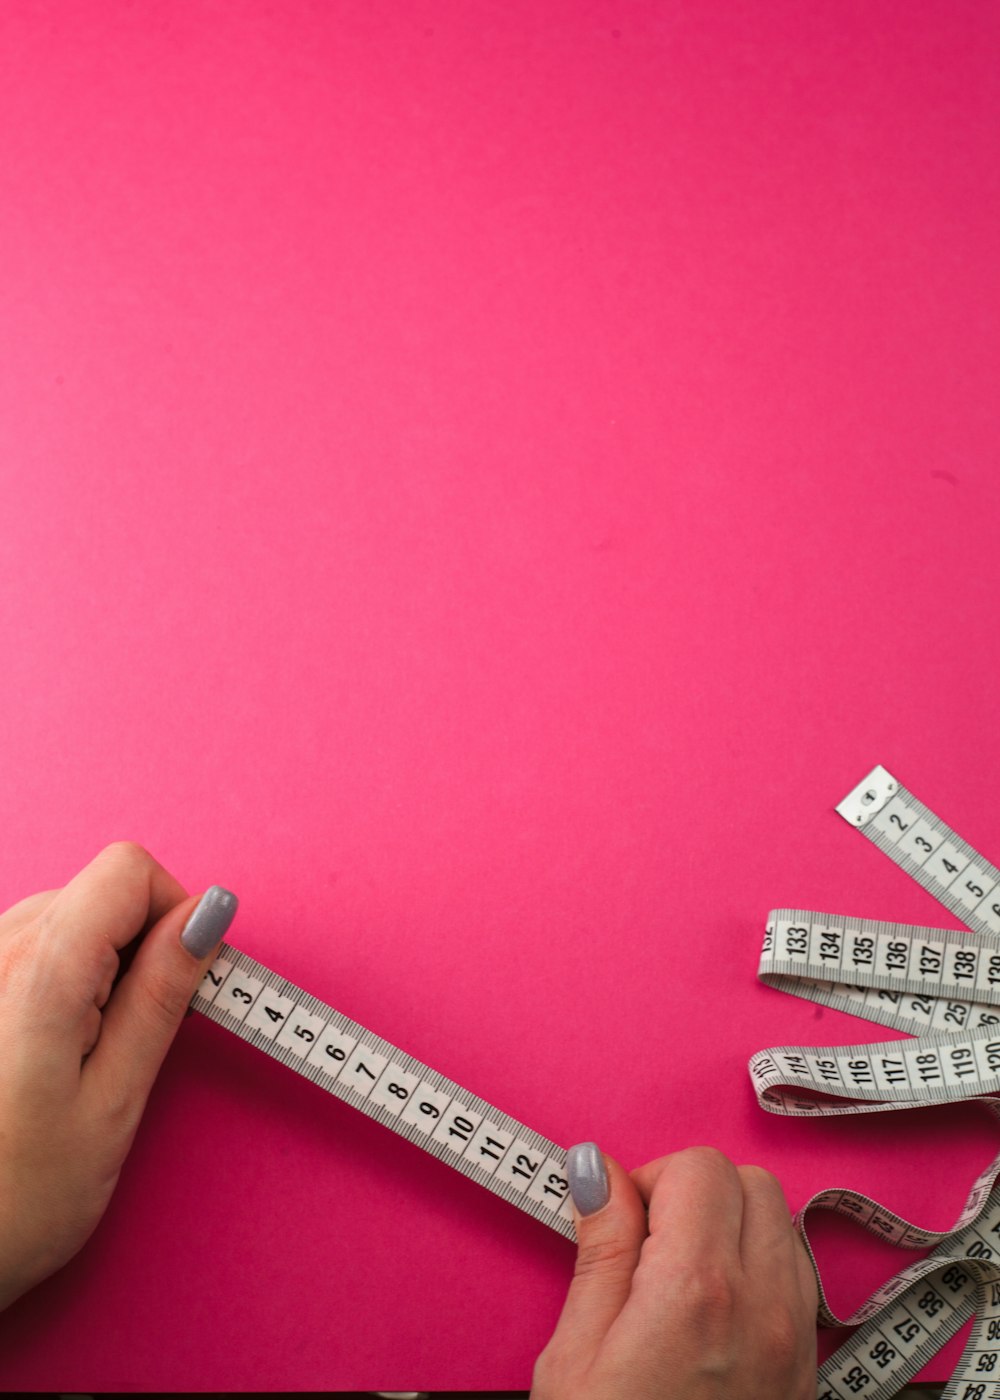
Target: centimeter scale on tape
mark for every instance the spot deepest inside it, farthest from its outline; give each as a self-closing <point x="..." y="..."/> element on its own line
<point x="941" y="986"/>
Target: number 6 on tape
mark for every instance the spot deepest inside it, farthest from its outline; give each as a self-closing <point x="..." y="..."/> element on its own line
<point x="940" y="985"/>
<point x="390" y="1086"/>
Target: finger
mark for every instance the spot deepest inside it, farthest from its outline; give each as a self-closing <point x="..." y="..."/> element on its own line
<point x="147" y="1006"/>
<point x="769" y="1234"/>
<point x="90" y="1032"/>
<point x="122" y="891"/>
<point x="766" y="1231"/>
<point x="609" y="1241"/>
<point x="781" y="1284"/>
<point x="695" y="1202"/>
<point x="769" y="1231"/>
<point x="108" y="982"/>
<point x="807" y="1275"/>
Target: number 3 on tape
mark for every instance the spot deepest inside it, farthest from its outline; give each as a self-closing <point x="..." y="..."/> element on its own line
<point x="388" y="1085"/>
<point x="939" y="986"/>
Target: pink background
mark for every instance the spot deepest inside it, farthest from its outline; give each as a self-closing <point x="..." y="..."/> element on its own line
<point x="482" y="481"/>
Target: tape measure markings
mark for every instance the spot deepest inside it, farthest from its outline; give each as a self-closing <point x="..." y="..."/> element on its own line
<point x="902" y="974"/>
<point x="926" y="848"/>
<point x="934" y="981"/>
<point x="883" y="954"/>
<point x="417" y="1102"/>
<point x="888" y="1353"/>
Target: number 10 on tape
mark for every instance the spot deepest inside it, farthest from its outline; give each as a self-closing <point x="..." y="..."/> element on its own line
<point x="939" y="985"/>
<point x="388" y="1085"/>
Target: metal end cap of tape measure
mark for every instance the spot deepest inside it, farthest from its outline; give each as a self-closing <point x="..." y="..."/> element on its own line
<point x="869" y="797"/>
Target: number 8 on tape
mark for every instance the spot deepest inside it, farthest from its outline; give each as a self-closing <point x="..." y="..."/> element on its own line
<point x="390" y="1086"/>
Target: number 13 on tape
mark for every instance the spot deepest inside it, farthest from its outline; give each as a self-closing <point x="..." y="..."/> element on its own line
<point x="388" y="1085"/>
<point x="942" y="986"/>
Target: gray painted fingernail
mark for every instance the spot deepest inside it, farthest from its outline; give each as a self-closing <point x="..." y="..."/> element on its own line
<point x="588" y="1177"/>
<point x="212" y="916"/>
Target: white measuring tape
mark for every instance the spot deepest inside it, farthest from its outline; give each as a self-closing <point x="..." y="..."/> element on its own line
<point x="942" y="986"/>
<point x="390" y="1086"/>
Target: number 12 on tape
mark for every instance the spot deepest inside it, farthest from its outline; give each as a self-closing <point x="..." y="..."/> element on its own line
<point x="388" y="1085"/>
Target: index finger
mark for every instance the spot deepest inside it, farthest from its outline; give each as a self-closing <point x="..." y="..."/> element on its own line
<point x="119" y="894"/>
<point x="694" y="1200"/>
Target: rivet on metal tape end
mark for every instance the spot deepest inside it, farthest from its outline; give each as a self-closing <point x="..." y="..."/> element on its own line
<point x="869" y="797"/>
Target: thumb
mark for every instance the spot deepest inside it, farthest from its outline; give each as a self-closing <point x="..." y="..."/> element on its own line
<point x="147" y="1006"/>
<point x="610" y="1219"/>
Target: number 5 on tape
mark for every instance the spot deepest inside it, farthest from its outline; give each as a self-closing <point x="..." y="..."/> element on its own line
<point x="388" y="1085"/>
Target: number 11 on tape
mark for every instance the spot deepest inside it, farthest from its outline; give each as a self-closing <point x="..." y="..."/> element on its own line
<point x="388" y="1085"/>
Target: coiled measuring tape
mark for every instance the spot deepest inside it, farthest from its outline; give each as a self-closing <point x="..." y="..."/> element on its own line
<point x="941" y="986"/>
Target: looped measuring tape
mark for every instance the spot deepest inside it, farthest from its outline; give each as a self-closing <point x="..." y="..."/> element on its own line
<point x="941" y="986"/>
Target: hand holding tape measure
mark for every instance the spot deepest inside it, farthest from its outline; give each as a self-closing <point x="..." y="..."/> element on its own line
<point x="79" y="1054"/>
<point x="69" y="1112"/>
<point x="70" y="1106"/>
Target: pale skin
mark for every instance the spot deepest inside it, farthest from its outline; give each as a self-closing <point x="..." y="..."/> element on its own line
<point x="79" y="1059"/>
<point x="711" y="1296"/>
<point x="691" y="1282"/>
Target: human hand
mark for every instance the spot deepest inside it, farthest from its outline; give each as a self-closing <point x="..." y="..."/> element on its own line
<point x="80" y="1053"/>
<point x="712" y="1298"/>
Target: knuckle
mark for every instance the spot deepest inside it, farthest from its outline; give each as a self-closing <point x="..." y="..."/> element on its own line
<point x="705" y="1160"/>
<point x="116" y="1101"/>
<point x="766" y="1189"/>
<point x="706" y="1302"/>
<point x="543" y="1375"/>
<point x="758" y="1176"/>
<point x="126" y="852"/>
<point x="782" y="1332"/>
<point x="714" y="1294"/>
<point x="92" y="1024"/>
<point x="120" y="1108"/>
<point x="709" y="1155"/>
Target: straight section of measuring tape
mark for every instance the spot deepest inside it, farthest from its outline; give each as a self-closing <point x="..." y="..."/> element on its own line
<point x="939" y="985"/>
<point x="912" y="978"/>
<point x="921" y="844"/>
<point x="362" y="1069"/>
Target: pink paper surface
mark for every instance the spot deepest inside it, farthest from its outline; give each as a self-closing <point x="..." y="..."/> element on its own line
<point x="482" y="481"/>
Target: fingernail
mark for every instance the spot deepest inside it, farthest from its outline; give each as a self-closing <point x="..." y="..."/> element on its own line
<point x="588" y="1177"/>
<point x="212" y="916"/>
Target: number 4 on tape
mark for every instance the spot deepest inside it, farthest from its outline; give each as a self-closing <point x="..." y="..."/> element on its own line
<point x="941" y="986"/>
<point x="388" y="1085"/>
<point x="936" y="984"/>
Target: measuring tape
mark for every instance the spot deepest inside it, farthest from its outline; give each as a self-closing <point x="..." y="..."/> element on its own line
<point x="942" y="986"/>
<point x="392" y="1087"/>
